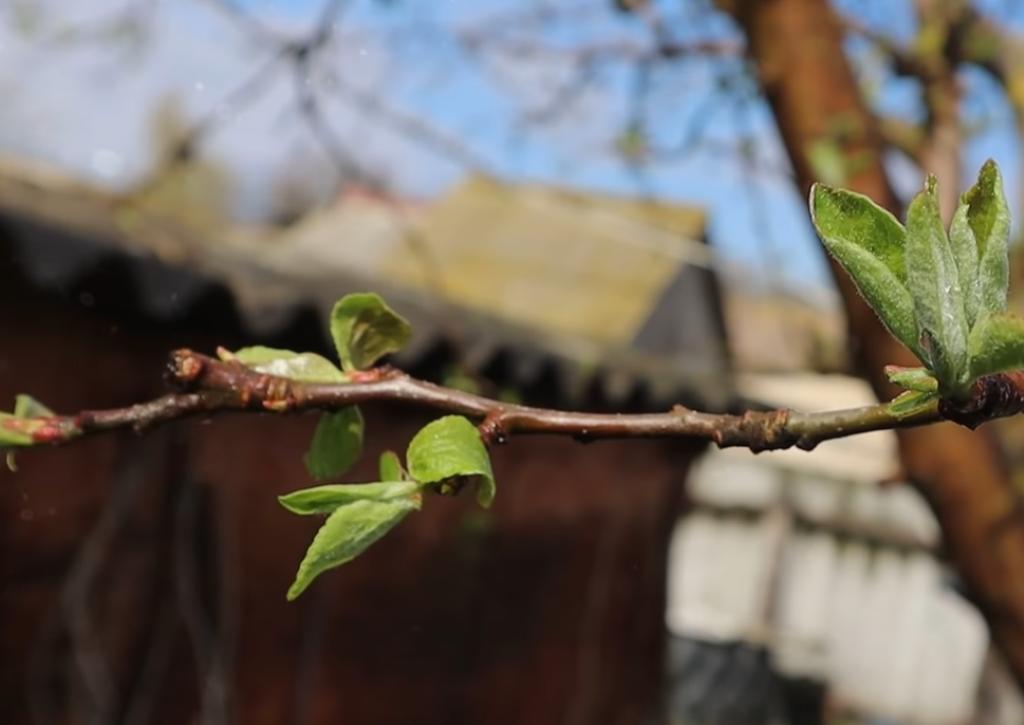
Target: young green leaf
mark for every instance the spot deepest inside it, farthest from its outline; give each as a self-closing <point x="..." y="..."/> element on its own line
<point x="391" y="467"/>
<point x="934" y="284"/>
<point x="306" y="367"/>
<point x="965" y="253"/>
<point x="348" y="532"/>
<point x="917" y="379"/>
<point x="869" y="243"/>
<point x="854" y="219"/>
<point x="911" y="402"/>
<point x="325" y="499"/>
<point x="11" y="433"/>
<point x="885" y="294"/>
<point x="996" y="345"/>
<point x="448" y="448"/>
<point x="337" y="443"/>
<point x="989" y="218"/>
<point x="365" y="329"/>
<point x="25" y="406"/>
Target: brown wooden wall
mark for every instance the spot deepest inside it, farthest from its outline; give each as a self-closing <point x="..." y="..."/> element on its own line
<point x="142" y="579"/>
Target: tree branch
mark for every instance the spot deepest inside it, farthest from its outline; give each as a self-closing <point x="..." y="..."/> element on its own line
<point x="617" y="50"/>
<point x="907" y="136"/>
<point x="905" y="61"/>
<point x="208" y="386"/>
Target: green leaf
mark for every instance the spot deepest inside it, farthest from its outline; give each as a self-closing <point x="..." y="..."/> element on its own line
<point x="15" y="434"/>
<point x="911" y="402"/>
<point x="996" y="345"/>
<point x="25" y="406"/>
<point x="965" y="253"/>
<point x="391" y="467"/>
<point x="934" y="284"/>
<point x="917" y="379"/>
<point x="885" y="294"/>
<point x="348" y="532"/>
<point x="306" y="367"/>
<point x="12" y="433"/>
<point x="854" y="219"/>
<point x="365" y="329"/>
<point x="989" y="218"/>
<point x="869" y="243"/>
<point x="325" y="499"/>
<point x="337" y="443"/>
<point x="451" y="448"/>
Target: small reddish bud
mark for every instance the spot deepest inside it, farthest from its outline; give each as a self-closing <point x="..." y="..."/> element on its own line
<point x="364" y="376"/>
<point x="48" y="433"/>
<point x="278" y="405"/>
<point x="185" y="366"/>
<point x="492" y="429"/>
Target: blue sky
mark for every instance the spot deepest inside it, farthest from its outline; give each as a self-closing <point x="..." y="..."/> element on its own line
<point x="86" y="105"/>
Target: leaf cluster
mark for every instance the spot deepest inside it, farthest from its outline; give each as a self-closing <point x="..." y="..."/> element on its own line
<point x="445" y="454"/>
<point x="17" y="428"/>
<point x="940" y="291"/>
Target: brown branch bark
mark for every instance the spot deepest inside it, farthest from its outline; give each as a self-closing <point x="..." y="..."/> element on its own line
<point x="797" y="47"/>
<point x="210" y="386"/>
<point x="940" y="153"/>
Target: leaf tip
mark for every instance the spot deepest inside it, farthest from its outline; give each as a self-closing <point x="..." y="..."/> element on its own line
<point x="295" y="590"/>
<point x="286" y="503"/>
<point x="485" y="493"/>
<point x="989" y="170"/>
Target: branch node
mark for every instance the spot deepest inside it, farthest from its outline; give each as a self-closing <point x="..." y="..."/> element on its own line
<point x="758" y="431"/>
<point x="184" y="367"/>
<point x="807" y="443"/>
<point x="492" y="429"/>
<point x="992" y="396"/>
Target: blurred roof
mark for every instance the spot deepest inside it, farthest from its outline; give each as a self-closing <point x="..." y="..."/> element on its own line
<point x="777" y="330"/>
<point x="612" y="291"/>
<point x="568" y="264"/>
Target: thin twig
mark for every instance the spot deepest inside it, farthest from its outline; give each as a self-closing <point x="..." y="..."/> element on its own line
<point x="346" y="168"/>
<point x="905" y="60"/>
<point x="210" y="386"/>
<point x="411" y="126"/>
<point x="619" y="51"/>
<point x="256" y="29"/>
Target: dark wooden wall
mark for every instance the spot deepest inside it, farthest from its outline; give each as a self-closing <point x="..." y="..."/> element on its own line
<point x="142" y="579"/>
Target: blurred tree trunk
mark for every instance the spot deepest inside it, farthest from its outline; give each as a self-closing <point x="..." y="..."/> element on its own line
<point x="797" y="48"/>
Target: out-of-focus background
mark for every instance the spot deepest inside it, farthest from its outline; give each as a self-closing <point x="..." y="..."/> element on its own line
<point x="591" y="204"/>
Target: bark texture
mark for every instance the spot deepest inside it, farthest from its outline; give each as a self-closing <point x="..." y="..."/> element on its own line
<point x="797" y="48"/>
